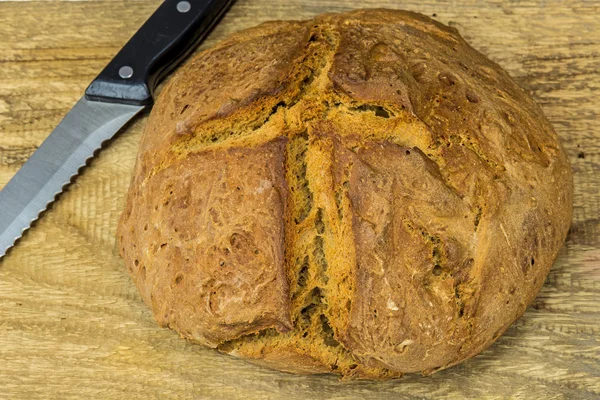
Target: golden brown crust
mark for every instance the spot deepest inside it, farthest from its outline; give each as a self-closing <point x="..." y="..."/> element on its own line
<point x="412" y="234"/>
<point x="415" y="197"/>
<point x="217" y="272"/>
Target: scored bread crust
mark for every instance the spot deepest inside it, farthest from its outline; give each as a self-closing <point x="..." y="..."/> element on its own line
<point x="362" y="193"/>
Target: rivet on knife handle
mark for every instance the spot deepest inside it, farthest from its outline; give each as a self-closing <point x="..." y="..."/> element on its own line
<point x="164" y="39"/>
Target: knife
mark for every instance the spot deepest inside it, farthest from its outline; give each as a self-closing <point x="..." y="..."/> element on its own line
<point x="123" y="89"/>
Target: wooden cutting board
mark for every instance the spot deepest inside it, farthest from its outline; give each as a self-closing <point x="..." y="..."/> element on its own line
<point x="71" y="322"/>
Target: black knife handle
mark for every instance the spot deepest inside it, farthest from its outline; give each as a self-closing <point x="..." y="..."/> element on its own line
<point x="165" y="39"/>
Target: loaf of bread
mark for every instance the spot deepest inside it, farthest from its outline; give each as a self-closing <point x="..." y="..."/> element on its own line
<point x="362" y="193"/>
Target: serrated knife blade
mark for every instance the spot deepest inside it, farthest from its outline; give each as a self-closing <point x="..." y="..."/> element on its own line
<point x="123" y="89"/>
<point x="56" y="161"/>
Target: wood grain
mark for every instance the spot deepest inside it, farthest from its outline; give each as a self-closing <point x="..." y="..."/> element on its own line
<point x="71" y="322"/>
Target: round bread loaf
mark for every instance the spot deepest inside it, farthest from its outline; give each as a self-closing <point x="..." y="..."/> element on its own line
<point x="362" y="193"/>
